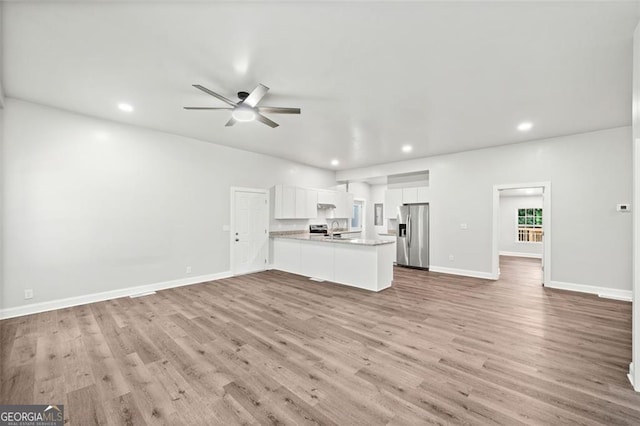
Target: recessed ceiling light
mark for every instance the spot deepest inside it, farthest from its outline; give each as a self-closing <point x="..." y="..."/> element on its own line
<point x="334" y="162"/>
<point x="407" y="148"/>
<point x="525" y="126"/>
<point x="125" y="107"/>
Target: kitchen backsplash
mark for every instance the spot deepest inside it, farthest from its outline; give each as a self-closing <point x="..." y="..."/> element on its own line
<point x="302" y="225"/>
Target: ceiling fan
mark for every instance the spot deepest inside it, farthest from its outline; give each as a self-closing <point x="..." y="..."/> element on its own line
<point x="246" y="109"/>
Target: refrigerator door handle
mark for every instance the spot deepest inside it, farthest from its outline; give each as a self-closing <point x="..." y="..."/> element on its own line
<point x="409" y="230"/>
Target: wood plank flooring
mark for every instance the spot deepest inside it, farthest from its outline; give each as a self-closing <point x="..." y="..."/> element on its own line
<point x="276" y="348"/>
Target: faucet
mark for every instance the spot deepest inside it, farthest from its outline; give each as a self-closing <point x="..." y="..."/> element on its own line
<point x="333" y="229"/>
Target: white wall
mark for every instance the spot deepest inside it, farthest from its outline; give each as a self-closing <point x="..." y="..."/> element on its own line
<point x="589" y="172"/>
<point x="92" y="205"/>
<point x="2" y="206"/>
<point x="508" y="236"/>
<point x="1" y="166"/>
<point x="1" y="59"/>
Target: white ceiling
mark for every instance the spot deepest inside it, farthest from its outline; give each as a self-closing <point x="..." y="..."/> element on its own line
<point x="369" y="77"/>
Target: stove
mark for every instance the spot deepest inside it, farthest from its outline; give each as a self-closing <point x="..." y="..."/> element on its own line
<point x="318" y="229"/>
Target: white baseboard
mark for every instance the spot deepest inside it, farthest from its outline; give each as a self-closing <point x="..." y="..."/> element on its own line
<point x="517" y="254"/>
<point x="35" y="308"/>
<point x="630" y="376"/>
<point x="605" y="292"/>
<point x="462" y="272"/>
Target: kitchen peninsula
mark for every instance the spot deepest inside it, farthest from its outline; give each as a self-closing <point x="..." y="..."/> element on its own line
<point x="362" y="263"/>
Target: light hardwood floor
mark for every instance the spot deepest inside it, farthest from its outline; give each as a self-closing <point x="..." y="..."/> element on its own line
<point x="276" y="348"/>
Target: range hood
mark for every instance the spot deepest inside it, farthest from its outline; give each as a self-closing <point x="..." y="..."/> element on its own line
<point x="326" y="206"/>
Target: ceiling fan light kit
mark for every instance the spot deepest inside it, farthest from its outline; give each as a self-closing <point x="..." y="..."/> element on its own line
<point x="246" y="109"/>
<point x="243" y="113"/>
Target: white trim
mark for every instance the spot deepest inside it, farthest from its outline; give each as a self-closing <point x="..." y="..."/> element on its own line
<point x="232" y="223"/>
<point x="605" y="292"/>
<point x="363" y="216"/>
<point x="630" y="377"/>
<point x="518" y="254"/>
<point x="462" y="272"/>
<point x="635" y="211"/>
<point x="546" y="226"/>
<point x="35" y="308"/>
<point x="146" y="293"/>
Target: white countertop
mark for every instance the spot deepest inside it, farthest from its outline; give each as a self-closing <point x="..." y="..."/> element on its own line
<point x="321" y="238"/>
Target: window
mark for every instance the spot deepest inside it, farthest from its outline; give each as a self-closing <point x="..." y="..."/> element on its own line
<point x="529" y="225"/>
<point x="356" y="219"/>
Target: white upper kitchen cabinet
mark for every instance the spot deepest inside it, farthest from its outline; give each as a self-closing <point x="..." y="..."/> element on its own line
<point x="284" y="202"/>
<point x="327" y="197"/>
<point x="311" y="209"/>
<point x="301" y="202"/>
<point x="392" y="199"/>
<point x="344" y="205"/>
<point x="409" y="195"/>
<point x="292" y="202"/>
<point x="399" y="196"/>
<point x="423" y="194"/>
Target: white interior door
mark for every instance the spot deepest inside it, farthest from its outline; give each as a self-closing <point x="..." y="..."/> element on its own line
<point x="250" y="236"/>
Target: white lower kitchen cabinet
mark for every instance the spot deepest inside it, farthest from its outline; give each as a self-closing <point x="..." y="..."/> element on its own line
<point x="356" y="265"/>
<point x="286" y="255"/>
<point x="363" y="264"/>
<point x="390" y="238"/>
<point x="362" y="267"/>
<point x="316" y="259"/>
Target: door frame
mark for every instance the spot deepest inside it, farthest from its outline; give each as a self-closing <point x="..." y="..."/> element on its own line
<point x="546" y="227"/>
<point x="363" y="217"/>
<point x="232" y="222"/>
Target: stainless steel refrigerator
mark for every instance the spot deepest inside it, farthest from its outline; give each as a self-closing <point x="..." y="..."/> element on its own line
<point x="413" y="236"/>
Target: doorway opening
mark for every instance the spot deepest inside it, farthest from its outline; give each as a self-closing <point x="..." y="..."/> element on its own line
<point x="358" y="223"/>
<point x="522" y="229"/>
<point x="249" y="237"/>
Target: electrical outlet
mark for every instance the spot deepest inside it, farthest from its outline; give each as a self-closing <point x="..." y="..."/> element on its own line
<point x="451" y="258"/>
<point x="463" y="226"/>
<point x="188" y="270"/>
<point x="28" y="294"/>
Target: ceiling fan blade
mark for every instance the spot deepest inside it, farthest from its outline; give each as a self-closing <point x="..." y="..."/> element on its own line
<point x="231" y="122"/>
<point x="214" y="94"/>
<point x="206" y="108"/>
<point x="256" y="94"/>
<point x="265" y="120"/>
<point x="279" y="110"/>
